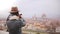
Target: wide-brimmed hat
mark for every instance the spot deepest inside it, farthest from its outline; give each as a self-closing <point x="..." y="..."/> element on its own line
<point x="14" y="9"/>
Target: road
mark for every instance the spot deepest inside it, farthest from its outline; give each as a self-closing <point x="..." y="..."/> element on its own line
<point x="3" y="32"/>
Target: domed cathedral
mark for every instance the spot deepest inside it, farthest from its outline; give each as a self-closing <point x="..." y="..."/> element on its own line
<point x="43" y="16"/>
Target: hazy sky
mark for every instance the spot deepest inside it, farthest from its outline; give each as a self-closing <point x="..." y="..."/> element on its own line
<point x="30" y="8"/>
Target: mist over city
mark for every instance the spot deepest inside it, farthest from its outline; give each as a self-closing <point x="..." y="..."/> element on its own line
<point x="30" y="8"/>
<point x="38" y="16"/>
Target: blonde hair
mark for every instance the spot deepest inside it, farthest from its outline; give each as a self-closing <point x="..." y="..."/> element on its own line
<point x="14" y="17"/>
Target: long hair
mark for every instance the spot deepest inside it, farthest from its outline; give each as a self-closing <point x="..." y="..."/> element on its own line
<point x="15" y="13"/>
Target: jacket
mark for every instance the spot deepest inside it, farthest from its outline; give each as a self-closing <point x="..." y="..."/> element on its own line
<point x="19" y="24"/>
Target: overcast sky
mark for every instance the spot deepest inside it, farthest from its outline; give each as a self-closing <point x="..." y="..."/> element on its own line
<point x="30" y="8"/>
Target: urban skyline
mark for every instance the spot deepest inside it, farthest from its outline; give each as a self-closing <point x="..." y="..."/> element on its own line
<point x="30" y="8"/>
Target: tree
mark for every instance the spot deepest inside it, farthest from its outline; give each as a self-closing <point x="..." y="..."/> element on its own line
<point x="54" y="25"/>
